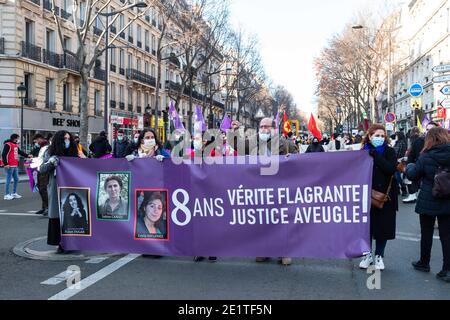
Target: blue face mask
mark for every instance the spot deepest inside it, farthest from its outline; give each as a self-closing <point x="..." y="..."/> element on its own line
<point x="67" y="144"/>
<point x="377" y="142"/>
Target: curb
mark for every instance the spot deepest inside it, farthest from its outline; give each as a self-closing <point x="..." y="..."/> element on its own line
<point x="23" y="251"/>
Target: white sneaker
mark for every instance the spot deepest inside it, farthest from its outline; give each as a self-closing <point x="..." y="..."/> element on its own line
<point x="411" y="198"/>
<point x="8" y="197"/>
<point x="379" y="264"/>
<point x="16" y="196"/>
<point x="366" y="261"/>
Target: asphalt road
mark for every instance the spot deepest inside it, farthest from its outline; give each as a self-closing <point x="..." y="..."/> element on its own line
<point x="130" y="277"/>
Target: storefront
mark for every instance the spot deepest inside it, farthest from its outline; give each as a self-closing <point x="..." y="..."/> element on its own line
<point x="43" y="122"/>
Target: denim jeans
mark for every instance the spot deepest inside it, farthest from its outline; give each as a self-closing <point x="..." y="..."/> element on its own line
<point x="11" y="173"/>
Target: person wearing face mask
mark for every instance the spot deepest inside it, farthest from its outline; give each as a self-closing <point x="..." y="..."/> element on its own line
<point x="10" y="159"/>
<point x="62" y="145"/>
<point x="82" y="152"/>
<point x="315" y="146"/>
<point x="120" y="145"/>
<point x="149" y="146"/>
<point x="382" y="221"/>
<point x="42" y="178"/>
<point x="133" y="144"/>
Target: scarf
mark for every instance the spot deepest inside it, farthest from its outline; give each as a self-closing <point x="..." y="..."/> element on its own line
<point x="379" y="150"/>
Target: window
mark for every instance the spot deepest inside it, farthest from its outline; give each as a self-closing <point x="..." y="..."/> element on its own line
<point x="130" y="30"/>
<point x="28" y="82"/>
<point x="146" y="67"/>
<point x="67" y="97"/>
<point x="147" y="40"/>
<point x="82" y="12"/>
<point x="113" y="91"/>
<point x="29" y="31"/>
<point x="121" y="92"/>
<point x="50" y="93"/>
<point x="138" y="64"/>
<point x="153" y="42"/>
<point x="153" y="101"/>
<point x="146" y="101"/>
<point x="113" y="57"/>
<point x="130" y="100"/>
<point x="153" y="71"/>
<point x="130" y="61"/>
<point x="97" y="103"/>
<point x="139" y="33"/>
<point x="67" y="43"/>
<point x="121" y="22"/>
<point x="121" y="59"/>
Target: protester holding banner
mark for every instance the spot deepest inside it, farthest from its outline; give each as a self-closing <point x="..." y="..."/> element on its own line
<point x="436" y="153"/>
<point x="149" y="147"/>
<point x="120" y="145"/>
<point x="382" y="221"/>
<point x="100" y="147"/>
<point x="63" y="145"/>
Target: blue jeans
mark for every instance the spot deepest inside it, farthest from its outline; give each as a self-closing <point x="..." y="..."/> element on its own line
<point x="11" y="173"/>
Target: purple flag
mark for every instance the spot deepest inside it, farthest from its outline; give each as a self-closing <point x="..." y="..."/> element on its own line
<point x="303" y="213"/>
<point x="172" y="110"/>
<point x="425" y="122"/>
<point x="277" y="120"/>
<point x="226" y="123"/>
<point x="199" y="120"/>
<point x="175" y="117"/>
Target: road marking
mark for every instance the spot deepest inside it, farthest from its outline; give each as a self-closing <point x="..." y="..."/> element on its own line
<point x="33" y="211"/>
<point x="96" y="260"/>
<point x="63" y="276"/>
<point x="407" y="238"/>
<point x="2" y="210"/>
<point x="414" y="236"/>
<point x="92" y="279"/>
<point x="19" y="214"/>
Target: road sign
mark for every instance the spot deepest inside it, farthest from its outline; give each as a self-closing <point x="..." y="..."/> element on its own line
<point x="443" y="78"/>
<point x="416" y="90"/>
<point x="445" y="103"/>
<point x="442" y="68"/>
<point x="390" y="117"/>
<point x="446" y="90"/>
<point x="416" y="103"/>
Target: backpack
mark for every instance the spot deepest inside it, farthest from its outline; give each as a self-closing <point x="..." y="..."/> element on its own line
<point x="441" y="187"/>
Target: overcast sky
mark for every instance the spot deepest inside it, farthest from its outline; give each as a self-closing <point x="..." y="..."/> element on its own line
<point x="292" y="33"/>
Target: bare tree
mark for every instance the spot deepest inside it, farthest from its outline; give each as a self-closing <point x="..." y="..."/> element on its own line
<point x="84" y="15"/>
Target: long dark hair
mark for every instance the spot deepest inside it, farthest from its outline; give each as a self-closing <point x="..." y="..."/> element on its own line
<point x="435" y="137"/>
<point x="142" y="135"/>
<point x="147" y="200"/>
<point x="57" y="148"/>
<point x="67" y="208"/>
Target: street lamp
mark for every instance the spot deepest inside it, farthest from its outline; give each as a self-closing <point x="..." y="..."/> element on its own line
<point x="22" y="90"/>
<point x="107" y="15"/>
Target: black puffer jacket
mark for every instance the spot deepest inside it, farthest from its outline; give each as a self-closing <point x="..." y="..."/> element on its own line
<point x="425" y="170"/>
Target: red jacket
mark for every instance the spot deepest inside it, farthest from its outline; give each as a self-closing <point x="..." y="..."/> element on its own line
<point x="10" y="154"/>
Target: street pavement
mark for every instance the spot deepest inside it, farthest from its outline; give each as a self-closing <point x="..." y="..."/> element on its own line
<point x="179" y="278"/>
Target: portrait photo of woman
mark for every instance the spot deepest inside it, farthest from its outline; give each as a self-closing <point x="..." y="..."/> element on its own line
<point x="112" y="199"/>
<point x="75" y="212"/>
<point x="151" y="221"/>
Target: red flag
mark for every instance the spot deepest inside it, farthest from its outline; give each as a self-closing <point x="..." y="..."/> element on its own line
<point x="286" y="125"/>
<point x="312" y="127"/>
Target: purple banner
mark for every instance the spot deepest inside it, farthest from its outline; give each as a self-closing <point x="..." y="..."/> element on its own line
<point x="316" y="206"/>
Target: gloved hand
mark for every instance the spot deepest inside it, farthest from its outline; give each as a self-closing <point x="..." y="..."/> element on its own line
<point x="54" y="161"/>
<point x="160" y="158"/>
<point x="130" y="157"/>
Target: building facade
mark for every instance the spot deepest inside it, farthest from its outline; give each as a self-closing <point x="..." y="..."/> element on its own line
<point x="31" y="52"/>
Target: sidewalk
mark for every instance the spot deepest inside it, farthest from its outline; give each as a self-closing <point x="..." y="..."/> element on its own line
<point x="22" y="178"/>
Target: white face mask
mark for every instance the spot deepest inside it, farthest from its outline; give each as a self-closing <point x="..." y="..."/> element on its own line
<point x="198" y="145"/>
<point x="150" y="142"/>
<point x="264" y="136"/>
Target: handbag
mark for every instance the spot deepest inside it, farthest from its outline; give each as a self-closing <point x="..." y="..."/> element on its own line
<point x="441" y="186"/>
<point x="380" y="198"/>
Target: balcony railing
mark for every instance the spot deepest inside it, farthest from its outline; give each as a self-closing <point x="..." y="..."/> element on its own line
<point x="99" y="74"/>
<point x="133" y="74"/>
<point x="139" y="109"/>
<point x="112" y="104"/>
<point x="51" y="58"/>
<point x="139" y="44"/>
<point x="130" y="39"/>
<point x="112" y="68"/>
<point x="65" y="15"/>
<point x="154" y="23"/>
<point x="49" y="6"/>
<point x="130" y="107"/>
<point x="122" y="71"/>
<point x="97" y="31"/>
<point x="31" y="51"/>
<point x="38" y="2"/>
<point x="69" y="62"/>
<point x="122" y="106"/>
<point x="154" y="52"/>
<point x="221" y="105"/>
<point x="2" y="45"/>
<point x="170" y="85"/>
<point x="147" y="48"/>
<point x="174" y="60"/>
<point x="147" y="18"/>
<point x="122" y="35"/>
<point x="113" y="29"/>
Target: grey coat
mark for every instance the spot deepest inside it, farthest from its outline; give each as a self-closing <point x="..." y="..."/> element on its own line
<point x="52" y="188"/>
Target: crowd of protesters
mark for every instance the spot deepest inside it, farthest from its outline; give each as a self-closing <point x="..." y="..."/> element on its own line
<point x="405" y="165"/>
